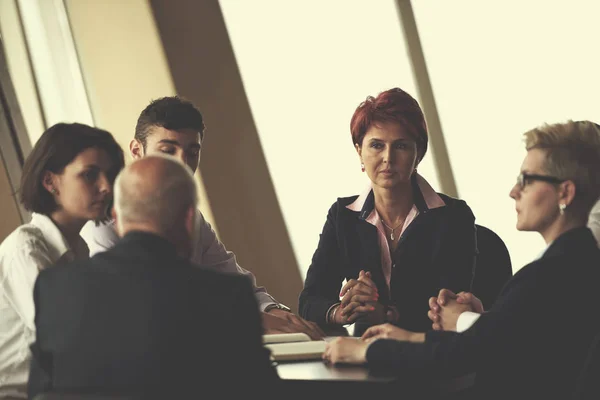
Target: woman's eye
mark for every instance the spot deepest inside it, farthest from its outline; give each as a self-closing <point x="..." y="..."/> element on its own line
<point x="376" y="145"/>
<point x="401" y="146"/>
<point x="91" y="175"/>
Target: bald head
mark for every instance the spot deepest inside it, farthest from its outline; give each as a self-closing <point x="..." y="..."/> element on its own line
<point x="157" y="194"/>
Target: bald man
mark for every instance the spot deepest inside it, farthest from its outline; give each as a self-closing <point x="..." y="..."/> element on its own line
<point x="141" y="318"/>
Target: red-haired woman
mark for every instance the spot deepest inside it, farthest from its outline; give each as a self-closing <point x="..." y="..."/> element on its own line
<point x="399" y="242"/>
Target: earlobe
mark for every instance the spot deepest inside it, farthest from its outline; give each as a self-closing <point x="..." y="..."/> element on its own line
<point x="136" y="149"/>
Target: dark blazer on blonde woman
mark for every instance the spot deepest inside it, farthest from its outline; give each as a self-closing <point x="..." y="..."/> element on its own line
<point x="139" y="319"/>
<point x="436" y="251"/>
<point x="534" y="340"/>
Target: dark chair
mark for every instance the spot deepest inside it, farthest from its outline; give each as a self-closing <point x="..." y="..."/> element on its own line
<point x="492" y="266"/>
<point x="588" y="382"/>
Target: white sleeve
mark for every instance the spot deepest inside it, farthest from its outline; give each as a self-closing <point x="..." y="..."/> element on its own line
<point x="210" y="253"/>
<point x="594" y="221"/>
<point x="99" y="238"/>
<point x="466" y="320"/>
<point x="19" y="275"/>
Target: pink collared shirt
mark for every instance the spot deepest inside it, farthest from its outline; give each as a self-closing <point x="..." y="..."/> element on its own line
<point x="432" y="199"/>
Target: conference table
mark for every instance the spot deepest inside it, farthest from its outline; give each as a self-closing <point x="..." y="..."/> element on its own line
<point x="351" y="381"/>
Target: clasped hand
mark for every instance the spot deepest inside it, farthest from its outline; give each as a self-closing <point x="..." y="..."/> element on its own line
<point x="359" y="299"/>
<point x="445" y="309"/>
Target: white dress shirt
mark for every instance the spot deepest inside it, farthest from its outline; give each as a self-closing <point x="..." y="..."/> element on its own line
<point x="209" y="252"/>
<point x="29" y="249"/>
<point x="594" y="221"/>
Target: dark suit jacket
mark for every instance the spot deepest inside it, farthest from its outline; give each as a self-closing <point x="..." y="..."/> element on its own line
<point x="139" y="319"/>
<point x="436" y="251"/>
<point x="533" y="342"/>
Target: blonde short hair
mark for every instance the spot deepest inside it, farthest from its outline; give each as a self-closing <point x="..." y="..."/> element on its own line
<point x="572" y="153"/>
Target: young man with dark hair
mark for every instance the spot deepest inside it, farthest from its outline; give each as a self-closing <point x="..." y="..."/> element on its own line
<point x="175" y="126"/>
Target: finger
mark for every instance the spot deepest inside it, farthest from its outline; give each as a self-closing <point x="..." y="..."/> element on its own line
<point x="345" y="300"/>
<point x="307" y="327"/>
<point x="366" y="279"/>
<point x="465" y="298"/>
<point x="317" y="329"/>
<point x="349" y="308"/>
<point x="362" y="288"/>
<point x="433" y="316"/>
<point x="348" y="286"/>
<point x="371" y="332"/>
<point x="433" y="305"/>
<point x="358" y="289"/>
<point x="361" y="298"/>
<point x="444" y="296"/>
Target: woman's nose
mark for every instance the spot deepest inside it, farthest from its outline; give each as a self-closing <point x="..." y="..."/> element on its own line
<point x="515" y="191"/>
<point x="387" y="155"/>
<point x="104" y="184"/>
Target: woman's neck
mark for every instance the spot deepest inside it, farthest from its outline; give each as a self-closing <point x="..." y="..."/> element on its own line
<point x="70" y="227"/>
<point x="393" y="205"/>
<point x="560" y="226"/>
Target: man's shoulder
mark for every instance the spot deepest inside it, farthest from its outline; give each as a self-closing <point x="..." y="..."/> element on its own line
<point x="70" y="272"/>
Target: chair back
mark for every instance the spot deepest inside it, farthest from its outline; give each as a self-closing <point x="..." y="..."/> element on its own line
<point x="493" y="267"/>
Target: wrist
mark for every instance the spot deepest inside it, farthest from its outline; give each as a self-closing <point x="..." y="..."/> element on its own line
<point x="417" y="337"/>
<point x="331" y="313"/>
<point x="276" y="306"/>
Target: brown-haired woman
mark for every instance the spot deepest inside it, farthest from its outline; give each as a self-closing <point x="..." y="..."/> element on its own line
<point x="67" y="180"/>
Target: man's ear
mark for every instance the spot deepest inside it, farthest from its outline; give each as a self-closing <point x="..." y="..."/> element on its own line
<point x="190" y="221"/>
<point x="136" y="149"/>
<point x="116" y="222"/>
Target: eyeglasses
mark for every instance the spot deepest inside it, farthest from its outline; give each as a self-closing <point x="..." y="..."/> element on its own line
<point x="525" y="179"/>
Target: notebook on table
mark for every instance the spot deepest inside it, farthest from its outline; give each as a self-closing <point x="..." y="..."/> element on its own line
<point x="293" y="347"/>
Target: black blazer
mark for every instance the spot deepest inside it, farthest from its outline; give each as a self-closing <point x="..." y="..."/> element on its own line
<point x="139" y="319"/>
<point x="436" y="251"/>
<point x="533" y="342"/>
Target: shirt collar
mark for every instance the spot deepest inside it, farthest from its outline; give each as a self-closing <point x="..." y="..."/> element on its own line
<point x="425" y="198"/>
<point x="57" y="243"/>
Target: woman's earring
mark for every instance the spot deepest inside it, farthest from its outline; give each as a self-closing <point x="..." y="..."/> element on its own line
<point x="362" y="167"/>
<point x="561" y="208"/>
<point x="53" y="191"/>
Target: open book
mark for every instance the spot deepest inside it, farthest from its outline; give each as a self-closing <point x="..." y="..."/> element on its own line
<point x="293" y="346"/>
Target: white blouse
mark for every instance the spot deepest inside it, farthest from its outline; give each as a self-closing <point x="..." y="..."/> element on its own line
<point x="29" y="249"/>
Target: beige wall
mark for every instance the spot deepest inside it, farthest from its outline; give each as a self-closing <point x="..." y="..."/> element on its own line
<point x="8" y="204"/>
<point x="125" y="66"/>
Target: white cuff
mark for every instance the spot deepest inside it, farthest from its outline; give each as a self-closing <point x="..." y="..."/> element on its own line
<point x="466" y="320"/>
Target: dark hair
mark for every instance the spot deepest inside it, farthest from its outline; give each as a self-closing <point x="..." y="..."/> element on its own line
<point x="173" y="113"/>
<point x="56" y="148"/>
<point x="393" y="105"/>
